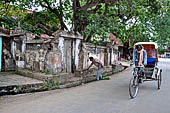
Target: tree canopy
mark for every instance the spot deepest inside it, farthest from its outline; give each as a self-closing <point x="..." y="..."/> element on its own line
<point x="138" y="20"/>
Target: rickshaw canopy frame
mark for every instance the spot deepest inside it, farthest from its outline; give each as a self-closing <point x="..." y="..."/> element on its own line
<point x="148" y="43"/>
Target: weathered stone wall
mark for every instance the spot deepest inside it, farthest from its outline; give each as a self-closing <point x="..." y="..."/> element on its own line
<point x="53" y="61"/>
<point x="43" y="55"/>
<point x="18" y="50"/>
<point x="108" y="55"/>
<point x="13" y="52"/>
<point x="60" y="54"/>
<point x="7" y="58"/>
<point x="64" y="53"/>
<point x="18" y="46"/>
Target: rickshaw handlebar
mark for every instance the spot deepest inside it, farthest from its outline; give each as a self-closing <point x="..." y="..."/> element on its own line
<point x="139" y="66"/>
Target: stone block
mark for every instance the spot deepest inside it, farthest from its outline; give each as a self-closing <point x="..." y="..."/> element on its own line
<point x="61" y="77"/>
<point x="36" y="66"/>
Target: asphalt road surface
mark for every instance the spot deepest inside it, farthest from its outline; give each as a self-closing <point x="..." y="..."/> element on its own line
<point x="106" y="96"/>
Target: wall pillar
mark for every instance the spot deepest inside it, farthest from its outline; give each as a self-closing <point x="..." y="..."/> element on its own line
<point x="61" y="48"/>
<point x="13" y="49"/>
<point x="77" y="53"/>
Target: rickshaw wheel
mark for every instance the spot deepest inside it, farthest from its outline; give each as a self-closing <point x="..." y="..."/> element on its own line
<point x="159" y="79"/>
<point x="133" y="86"/>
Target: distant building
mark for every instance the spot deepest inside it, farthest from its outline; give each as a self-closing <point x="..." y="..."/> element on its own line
<point x="117" y="42"/>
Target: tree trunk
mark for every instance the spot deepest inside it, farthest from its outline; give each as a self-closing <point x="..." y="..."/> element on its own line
<point x="61" y="17"/>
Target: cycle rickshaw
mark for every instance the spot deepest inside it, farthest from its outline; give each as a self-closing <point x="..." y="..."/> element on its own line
<point x="151" y="71"/>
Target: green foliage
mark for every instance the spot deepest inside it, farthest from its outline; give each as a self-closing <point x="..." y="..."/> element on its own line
<point x="162" y="28"/>
<point x="40" y="22"/>
<point x="138" y="20"/>
<point x="50" y="83"/>
<point x="101" y="26"/>
<point x="47" y="72"/>
<point x="161" y="51"/>
<point x="33" y="21"/>
<point x="8" y="22"/>
<point x="58" y="83"/>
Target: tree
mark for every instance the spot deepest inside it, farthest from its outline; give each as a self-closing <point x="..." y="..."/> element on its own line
<point x="40" y="22"/>
<point x="162" y="28"/>
<point x="32" y="21"/>
<point x="9" y="14"/>
<point x="115" y="16"/>
<point x="130" y="19"/>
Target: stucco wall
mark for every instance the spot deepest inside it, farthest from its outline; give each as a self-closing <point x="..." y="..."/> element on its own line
<point x="63" y="54"/>
<point x="108" y="55"/>
<point x="57" y="55"/>
<point x="42" y="56"/>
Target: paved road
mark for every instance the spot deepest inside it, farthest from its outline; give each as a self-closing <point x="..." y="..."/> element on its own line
<point x="107" y="96"/>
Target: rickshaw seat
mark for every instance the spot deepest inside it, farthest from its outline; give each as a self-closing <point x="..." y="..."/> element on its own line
<point x="151" y="61"/>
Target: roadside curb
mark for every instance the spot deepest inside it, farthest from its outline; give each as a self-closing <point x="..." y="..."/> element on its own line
<point x="30" y="88"/>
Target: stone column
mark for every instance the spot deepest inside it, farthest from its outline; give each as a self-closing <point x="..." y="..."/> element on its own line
<point x="77" y="53"/>
<point x="13" y="49"/>
<point x="105" y="57"/>
<point x="23" y="44"/>
<point x="61" y="48"/>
